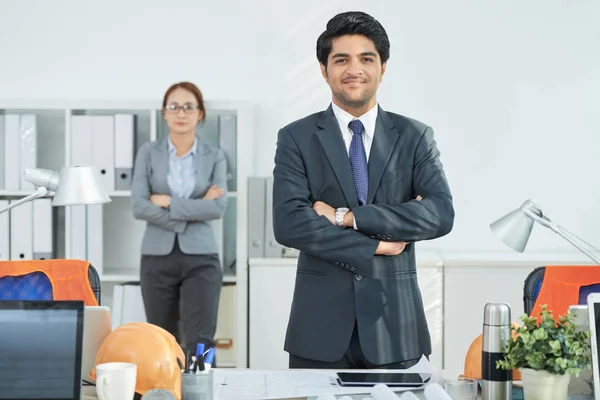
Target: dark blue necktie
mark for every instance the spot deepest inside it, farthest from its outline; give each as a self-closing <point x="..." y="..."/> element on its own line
<point x="358" y="159"/>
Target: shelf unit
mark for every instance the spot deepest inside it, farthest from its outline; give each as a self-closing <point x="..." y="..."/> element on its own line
<point x="122" y="234"/>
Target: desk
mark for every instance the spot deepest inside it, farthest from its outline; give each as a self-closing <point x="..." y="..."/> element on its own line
<point x="249" y="384"/>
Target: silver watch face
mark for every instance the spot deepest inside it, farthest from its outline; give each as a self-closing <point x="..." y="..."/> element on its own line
<point x="339" y="216"/>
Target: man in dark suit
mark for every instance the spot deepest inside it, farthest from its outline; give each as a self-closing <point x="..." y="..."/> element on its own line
<point x="354" y="188"/>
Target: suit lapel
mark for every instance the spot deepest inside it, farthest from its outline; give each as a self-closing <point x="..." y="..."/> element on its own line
<point x="203" y="168"/>
<point x="384" y="141"/>
<point x="335" y="149"/>
<point x="160" y="163"/>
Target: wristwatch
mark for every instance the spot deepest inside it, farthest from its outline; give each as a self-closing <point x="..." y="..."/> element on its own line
<point x="339" y="216"/>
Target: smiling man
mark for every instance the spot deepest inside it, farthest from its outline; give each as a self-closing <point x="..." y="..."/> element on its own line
<point x="354" y="188"/>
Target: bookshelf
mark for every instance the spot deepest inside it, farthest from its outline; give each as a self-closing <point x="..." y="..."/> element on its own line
<point x="121" y="234"/>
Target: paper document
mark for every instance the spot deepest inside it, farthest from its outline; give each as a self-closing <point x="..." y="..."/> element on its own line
<point x="289" y="384"/>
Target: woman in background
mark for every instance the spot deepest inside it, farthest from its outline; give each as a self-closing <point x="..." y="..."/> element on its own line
<point x="179" y="186"/>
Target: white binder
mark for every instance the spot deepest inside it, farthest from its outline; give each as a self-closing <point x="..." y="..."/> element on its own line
<point x="128" y="305"/>
<point x="28" y="149"/>
<point x="42" y="229"/>
<point x="4" y="233"/>
<point x="81" y="154"/>
<point x="12" y="144"/>
<point x="21" y="232"/>
<point x="78" y="233"/>
<point x="2" y="153"/>
<point x="124" y="142"/>
<point x="95" y="242"/>
<point x="103" y="149"/>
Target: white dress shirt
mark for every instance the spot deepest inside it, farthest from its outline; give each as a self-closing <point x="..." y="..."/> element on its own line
<point x="368" y="120"/>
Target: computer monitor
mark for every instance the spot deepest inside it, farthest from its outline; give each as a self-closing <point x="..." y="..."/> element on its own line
<point x="41" y="348"/>
<point x="593" y="304"/>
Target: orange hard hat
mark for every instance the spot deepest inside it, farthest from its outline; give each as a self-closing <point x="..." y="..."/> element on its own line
<point x="154" y="350"/>
<point x="473" y="360"/>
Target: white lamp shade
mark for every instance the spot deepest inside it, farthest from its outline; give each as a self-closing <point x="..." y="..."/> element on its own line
<point x="80" y="184"/>
<point x="513" y="229"/>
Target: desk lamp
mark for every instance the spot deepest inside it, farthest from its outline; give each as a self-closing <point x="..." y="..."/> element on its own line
<point x="74" y="185"/>
<point x="515" y="228"/>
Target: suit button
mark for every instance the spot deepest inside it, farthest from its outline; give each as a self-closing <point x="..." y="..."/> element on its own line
<point x="389" y="237"/>
<point x="358" y="277"/>
<point x="336" y="262"/>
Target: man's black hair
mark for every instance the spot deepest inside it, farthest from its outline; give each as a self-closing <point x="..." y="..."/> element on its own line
<point x="353" y="23"/>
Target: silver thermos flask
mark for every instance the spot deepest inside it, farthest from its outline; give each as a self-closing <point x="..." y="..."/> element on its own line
<point x="497" y="383"/>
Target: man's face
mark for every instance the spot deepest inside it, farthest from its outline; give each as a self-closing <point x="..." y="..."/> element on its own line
<point x="353" y="72"/>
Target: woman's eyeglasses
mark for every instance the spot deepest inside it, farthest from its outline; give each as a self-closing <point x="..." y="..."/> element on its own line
<point x="187" y="108"/>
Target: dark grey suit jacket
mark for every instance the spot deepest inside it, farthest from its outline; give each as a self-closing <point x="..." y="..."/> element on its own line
<point x="339" y="279"/>
<point x="189" y="219"/>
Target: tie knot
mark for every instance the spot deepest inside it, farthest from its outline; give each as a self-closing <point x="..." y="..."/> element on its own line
<point x="356" y="127"/>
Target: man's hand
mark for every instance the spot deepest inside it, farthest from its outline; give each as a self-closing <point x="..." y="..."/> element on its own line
<point x="390" y="248"/>
<point x="161" y="200"/>
<point x="213" y="193"/>
<point x="325" y="210"/>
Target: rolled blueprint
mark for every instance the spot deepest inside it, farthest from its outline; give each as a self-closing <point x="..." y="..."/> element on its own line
<point x="383" y="392"/>
<point x="409" y="396"/>
<point x="434" y="391"/>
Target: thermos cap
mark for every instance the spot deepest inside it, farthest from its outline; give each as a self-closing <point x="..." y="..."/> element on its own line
<point x="497" y="314"/>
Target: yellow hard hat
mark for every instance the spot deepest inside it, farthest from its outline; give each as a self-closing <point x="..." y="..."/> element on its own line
<point x="155" y="351"/>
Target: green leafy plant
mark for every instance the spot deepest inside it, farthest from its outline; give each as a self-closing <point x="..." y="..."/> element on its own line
<point x="543" y="344"/>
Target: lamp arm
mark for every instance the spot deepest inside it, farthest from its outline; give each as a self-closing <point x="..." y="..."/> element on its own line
<point x="40" y="192"/>
<point x="576" y="241"/>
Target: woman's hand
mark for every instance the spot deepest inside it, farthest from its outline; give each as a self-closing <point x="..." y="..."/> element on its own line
<point x="213" y="193"/>
<point x="161" y="200"/>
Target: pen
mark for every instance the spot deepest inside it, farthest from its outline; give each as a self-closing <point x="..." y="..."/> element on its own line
<point x="210" y="357"/>
<point x="187" y="362"/>
<point x="199" y="350"/>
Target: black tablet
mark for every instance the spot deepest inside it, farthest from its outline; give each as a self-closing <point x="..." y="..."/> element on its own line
<point x="392" y="379"/>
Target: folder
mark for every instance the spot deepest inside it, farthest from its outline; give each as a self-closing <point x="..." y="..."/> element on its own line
<point x="81" y="154"/>
<point x="103" y="149"/>
<point x="21" y="232"/>
<point x="4" y="233"/>
<point x="28" y="148"/>
<point x="124" y="143"/>
<point x="272" y="247"/>
<point x="42" y="230"/>
<point x="12" y="144"/>
<point x="256" y="218"/>
<point x="95" y="243"/>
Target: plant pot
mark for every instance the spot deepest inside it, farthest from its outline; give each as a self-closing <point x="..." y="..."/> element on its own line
<point x="542" y="385"/>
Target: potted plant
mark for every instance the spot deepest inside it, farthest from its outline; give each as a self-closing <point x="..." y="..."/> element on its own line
<point x="547" y="353"/>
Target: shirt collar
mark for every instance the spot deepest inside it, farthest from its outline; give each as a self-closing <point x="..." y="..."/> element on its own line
<point x="173" y="150"/>
<point x="368" y="119"/>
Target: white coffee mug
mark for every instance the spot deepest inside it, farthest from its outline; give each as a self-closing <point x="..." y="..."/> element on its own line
<point x="116" y="381"/>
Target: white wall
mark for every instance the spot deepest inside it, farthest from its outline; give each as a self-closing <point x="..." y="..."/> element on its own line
<point x="511" y="89"/>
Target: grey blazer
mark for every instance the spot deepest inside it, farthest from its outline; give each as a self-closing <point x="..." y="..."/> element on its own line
<point x="189" y="219"/>
<point x="339" y="280"/>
